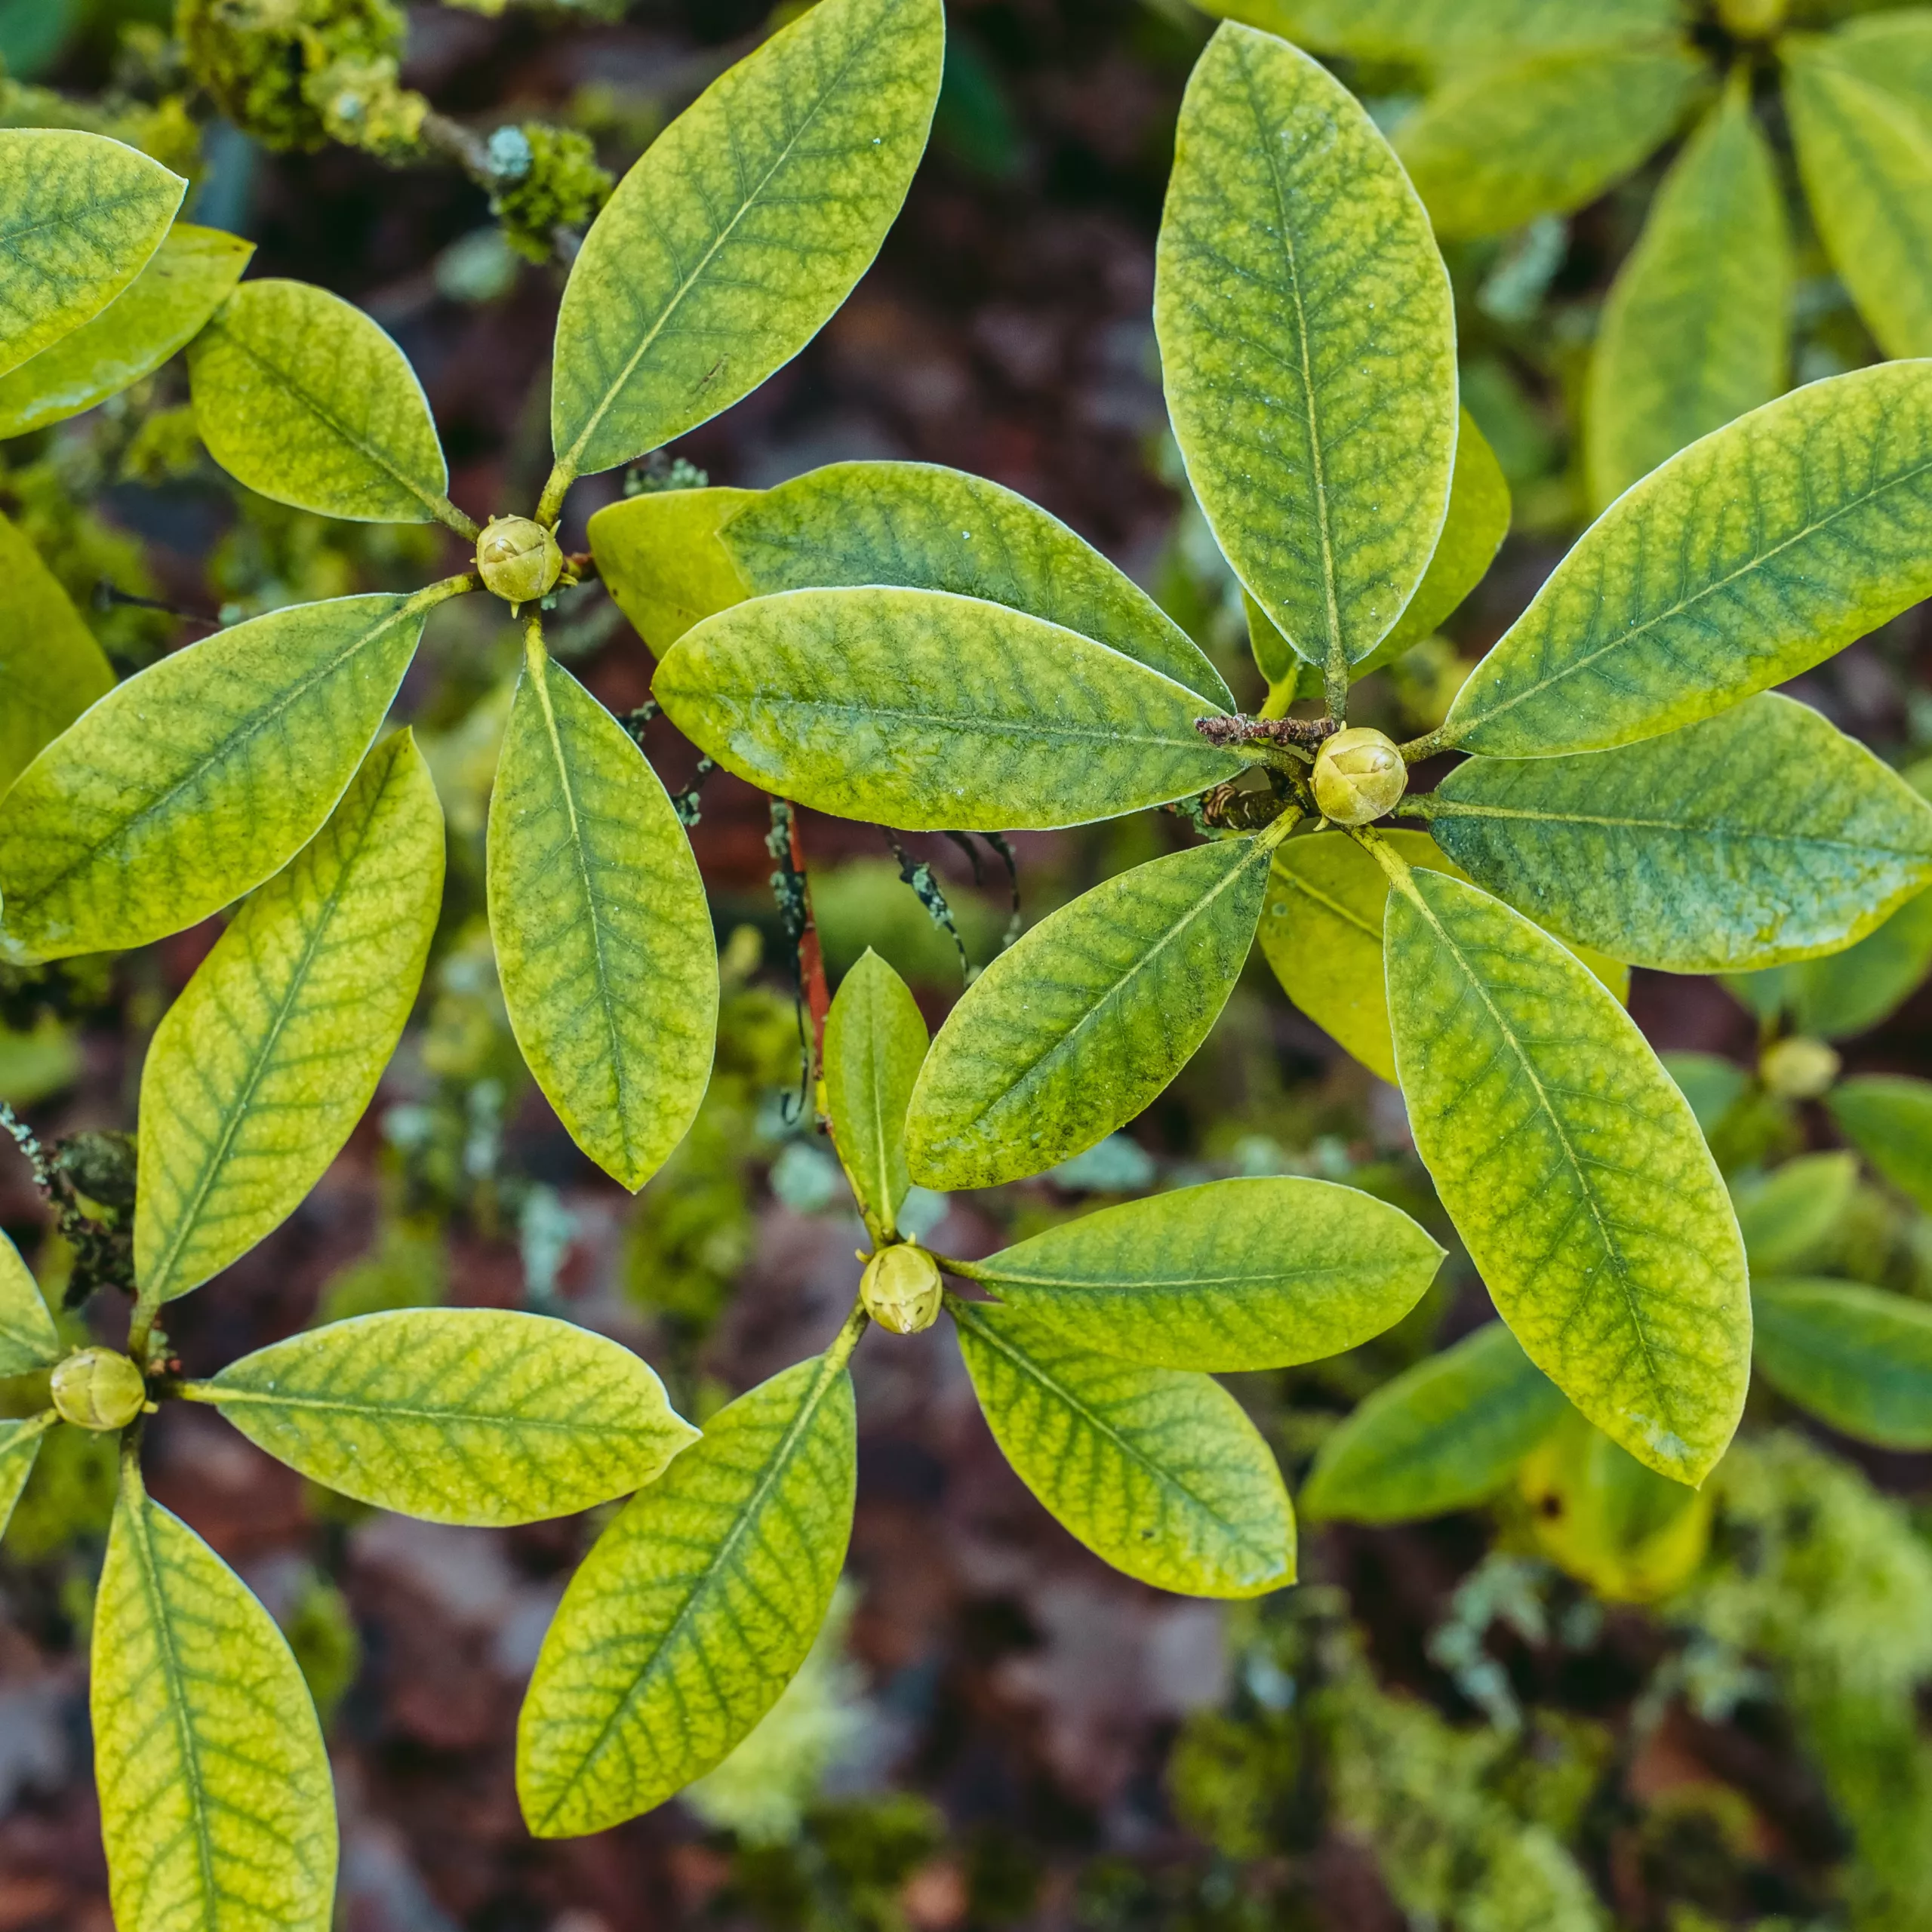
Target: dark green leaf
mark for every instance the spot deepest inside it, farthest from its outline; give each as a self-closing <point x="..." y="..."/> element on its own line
<point x="1859" y="1357"/>
<point x="1888" y="1118"/>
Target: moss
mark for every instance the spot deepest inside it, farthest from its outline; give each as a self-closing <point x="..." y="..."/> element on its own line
<point x="548" y="178"/>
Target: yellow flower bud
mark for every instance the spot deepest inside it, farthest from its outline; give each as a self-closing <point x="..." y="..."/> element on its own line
<point x="1751" y="20"/>
<point x="901" y="1289"/>
<point x="1799" y="1068"/>
<point x="1359" y="775"/>
<point x="517" y="558"/>
<point x="99" y="1388"/>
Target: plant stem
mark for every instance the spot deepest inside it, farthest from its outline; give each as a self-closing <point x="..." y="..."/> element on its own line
<point x="1416" y="750"/>
<point x="847" y="1339"/>
<point x="550" y="505"/>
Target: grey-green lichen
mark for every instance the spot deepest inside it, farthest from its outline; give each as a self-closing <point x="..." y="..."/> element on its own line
<point x="547" y="178"/>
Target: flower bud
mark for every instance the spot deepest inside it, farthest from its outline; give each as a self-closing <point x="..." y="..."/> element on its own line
<point x="1359" y="775"/>
<point x="99" y="1390"/>
<point x="901" y="1289"/>
<point x="1799" y="1068"/>
<point x="518" y="559"/>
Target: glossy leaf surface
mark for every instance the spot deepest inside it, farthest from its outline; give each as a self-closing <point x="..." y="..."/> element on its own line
<point x="1746" y="558"/>
<point x="19" y="1449"/>
<point x="258" y="1073"/>
<point x="1308" y="346"/>
<point x="603" y="937"/>
<point x="1575" y="1172"/>
<point x="1072" y="1031"/>
<point x="1859" y="1357"/>
<point x="51" y="669"/>
<point x="727" y="248"/>
<point x="189" y="784"/>
<point x="694" y="1610"/>
<point x="1231" y="1275"/>
<point x="874" y="1041"/>
<point x="930" y="712"/>
<point x="660" y="557"/>
<point x="28" y="1337"/>
<point x="1784" y="1215"/>
<point x="1157" y="1471"/>
<point x="1888" y="1118"/>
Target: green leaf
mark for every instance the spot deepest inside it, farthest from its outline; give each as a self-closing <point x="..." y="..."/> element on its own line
<point x="50" y="668"/>
<point x="162" y="309"/>
<point x="603" y="937"/>
<point x="1891" y="49"/>
<point x="1850" y="992"/>
<point x="1231" y="1275"/>
<point x="259" y="1072"/>
<point x="747" y="222"/>
<point x="1448" y="30"/>
<point x="874" y="1041"/>
<point x="930" y="712"/>
<point x="1762" y="835"/>
<point x="695" y="1609"/>
<point x="924" y="528"/>
<point x="1697" y="328"/>
<point x="1445" y="1434"/>
<point x="1747" y="559"/>
<point x="215" y="1799"/>
<point x="1859" y="1357"/>
<point x="1544" y="133"/>
<point x="19" y="1449"/>
<point x="1784" y="1215"/>
<point x="79" y="216"/>
<point x="1308" y="346"/>
<point x="1888" y="1118"/>
<point x="301" y="396"/>
<point x="28" y="1337"/>
<point x="1864" y="158"/>
<point x="192" y="782"/>
<point x="660" y="557"/>
<point x="1072" y="1031"/>
<point x="1157" y="1471"/>
<point x="1574" y="1170"/>
<point x="1711" y="1084"/>
<point x="456" y="1415"/>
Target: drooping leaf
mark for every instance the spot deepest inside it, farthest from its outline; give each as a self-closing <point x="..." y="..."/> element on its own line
<point x="79" y="216"/>
<point x="1230" y="1274"/>
<point x="694" y="1610"/>
<point x="50" y="668"/>
<point x="1574" y="1171"/>
<point x="1888" y="1118"/>
<point x="1784" y="1215"/>
<point x="186" y="280"/>
<point x="925" y="528"/>
<point x="189" y="784"/>
<point x="258" y="1073"/>
<point x="661" y="559"/>
<point x="1848" y="992"/>
<point x="1748" y="558"/>
<point x="747" y="222"/>
<point x="603" y="937"/>
<point x="1859" y="1357"/>
<point x="1761" y="834"/>
<point x="19" y="1449"/>
<point x="301" y="396"/>
<point x="1072" y="1031"/>
<point x="931" y="711"/>
<point x="1157" y="1471"/>
<point x="1445" y="1434"/>
<point x="215" y="1799"/>
<point x="456" y="1415"/>
<point x="28" y="1337"/>
<point x="1308" y="346"/>
<point x="1697" y="328"/>
<point x="1865" y="160"/>
<point x="1453" y="31"/>
<point x="874" y="1041"/>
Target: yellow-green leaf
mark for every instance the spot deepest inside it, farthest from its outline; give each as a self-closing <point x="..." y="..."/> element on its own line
<point x="1847" y="992"/>
<point x="299" y="395"/>
<point x="1784" y="1215"/>
<point x="1544" y="133"/>
<point x="695" y="1609"/>
<point x="661" y="559"/>
<point x="747" y="222"/>
<point x="932" y="712"/>
<point x="19" y="1449"/>
<point x="1574" y="1170"/>
<point x="1231" y="1275"/>
<point x="79" y="216"/>
<point x="456" y="1415"/>
<point x="1445" y="1434"/>
<point x="50" y="668"/>
<point x="1887" y="1117"/>
<point x="874" y="1041"/>
<point x="1307" y="346"/>
<point x="1073" y="1030"/>
<point x="1747" y="559"/>
<point x="215" y="1799"/>
<point x="186" y="280"/>
<point x="1157" y="1471"/>
<point x="189" y="784"/>
<point x="28" y="1337"/>
<point x="259" y="1071"/>
<point x="1452" y="31"/>
<point x="1698" y="327"/>
<point x="1857" y="1357"/>
<point x="603" y="937"/>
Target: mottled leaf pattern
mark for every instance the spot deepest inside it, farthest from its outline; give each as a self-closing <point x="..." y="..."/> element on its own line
<point x="50" y="668"/>
<point x="660" y="558"/>
<point x="1859" y="1357"/>
<point x="19" y="1449"/>
<point x="28" y="1337"/>
<point x="874" y="1041"/>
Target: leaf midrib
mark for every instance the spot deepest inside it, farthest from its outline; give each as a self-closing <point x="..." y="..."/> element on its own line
<point x="227" y="1394"/>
